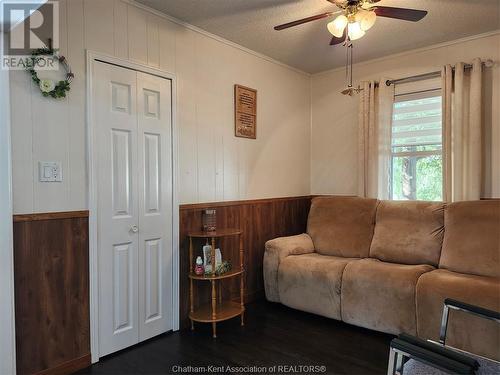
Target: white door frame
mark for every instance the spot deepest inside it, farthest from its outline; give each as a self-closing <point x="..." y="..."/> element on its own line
<point x="92" y="57"/>
<point x="7" y="322"/>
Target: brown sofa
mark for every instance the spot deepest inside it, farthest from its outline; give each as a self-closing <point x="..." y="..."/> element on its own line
<point x="389" y="265"/>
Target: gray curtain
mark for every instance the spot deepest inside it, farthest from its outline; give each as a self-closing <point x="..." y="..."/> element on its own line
<point x="374" y="139"/>
<point x="462" y="130"/>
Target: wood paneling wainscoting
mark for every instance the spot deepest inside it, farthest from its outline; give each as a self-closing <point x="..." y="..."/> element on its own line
<point x="260" y="220"/>
<point x="51" y="273"/>
<point x="51" y="278"/>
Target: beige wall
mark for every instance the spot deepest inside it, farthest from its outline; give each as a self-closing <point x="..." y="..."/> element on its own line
<point x="214" y="165"/>
<point x="288" y="158"/>
<point x="335" y="116"/>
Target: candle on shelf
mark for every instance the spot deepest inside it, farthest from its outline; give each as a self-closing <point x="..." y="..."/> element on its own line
<point x="209" y="220"/>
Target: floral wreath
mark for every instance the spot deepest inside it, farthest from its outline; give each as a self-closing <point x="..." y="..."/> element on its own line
<point x="49" y="87"/>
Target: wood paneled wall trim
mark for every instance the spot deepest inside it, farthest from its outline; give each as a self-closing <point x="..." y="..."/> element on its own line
<point x="51" y="284"/>
<point x="51" y="216"/>
<point x="201" y="206"/>
<point x="69" y="367"/>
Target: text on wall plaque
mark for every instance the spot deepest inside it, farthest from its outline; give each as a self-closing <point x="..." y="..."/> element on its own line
<point x="245" y="112"/>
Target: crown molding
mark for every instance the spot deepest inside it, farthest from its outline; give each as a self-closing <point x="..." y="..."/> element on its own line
<point x="413" y="51"/>
<point x="270" y="59"/>
<point x="213" y="36"/>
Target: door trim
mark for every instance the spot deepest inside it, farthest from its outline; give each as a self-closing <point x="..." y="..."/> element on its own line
<point x="92" y="58"/>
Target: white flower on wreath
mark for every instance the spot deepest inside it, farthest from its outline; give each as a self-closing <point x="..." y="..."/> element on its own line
<point x="47" y="85"/>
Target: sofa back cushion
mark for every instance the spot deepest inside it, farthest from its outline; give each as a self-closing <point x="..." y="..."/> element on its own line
<point x="472" y="238"/>
<point x="408" y="232"/>
<point x="342" y="226"/>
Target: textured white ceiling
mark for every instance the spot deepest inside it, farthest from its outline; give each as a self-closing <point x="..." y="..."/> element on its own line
<point x="250" y="23"/>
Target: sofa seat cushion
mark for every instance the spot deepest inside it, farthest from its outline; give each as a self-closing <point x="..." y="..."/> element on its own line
<point x="342" y="226"/>
<point x="408" y="232"/>
<point x="465" y="331"/>
<point x="381" y="296"/>
<point x="472" y="238"/>
<point x="312" y="283"/>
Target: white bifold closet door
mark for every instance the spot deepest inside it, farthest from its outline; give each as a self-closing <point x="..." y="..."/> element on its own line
<point x="132" y="117"/>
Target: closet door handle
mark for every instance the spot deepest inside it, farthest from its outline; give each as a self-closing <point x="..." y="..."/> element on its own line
<point x="134" y="228"/>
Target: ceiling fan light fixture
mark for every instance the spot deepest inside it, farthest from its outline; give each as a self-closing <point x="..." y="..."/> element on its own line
<point x="366" y="19"/>
<point x="354" y="31"/>
<point x="337" y="26"/>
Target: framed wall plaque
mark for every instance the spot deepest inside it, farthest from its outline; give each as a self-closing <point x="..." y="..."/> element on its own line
<point x="245" y="112"/>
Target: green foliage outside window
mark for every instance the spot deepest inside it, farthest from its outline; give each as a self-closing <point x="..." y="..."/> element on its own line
<point x="428" y="175"/>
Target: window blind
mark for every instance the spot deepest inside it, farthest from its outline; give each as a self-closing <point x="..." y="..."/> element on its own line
<point x="417" y="120"/>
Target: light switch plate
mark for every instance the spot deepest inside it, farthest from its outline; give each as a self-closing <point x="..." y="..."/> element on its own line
<point x="50" y="171"/>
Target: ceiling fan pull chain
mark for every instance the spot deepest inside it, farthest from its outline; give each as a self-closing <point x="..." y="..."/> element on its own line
<point x="347" y="63"/>
<point x="348" y="66"/>
<point x="350" y="63"/>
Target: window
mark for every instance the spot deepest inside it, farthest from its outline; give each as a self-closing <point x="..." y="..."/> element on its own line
<point x="416" y="143"/>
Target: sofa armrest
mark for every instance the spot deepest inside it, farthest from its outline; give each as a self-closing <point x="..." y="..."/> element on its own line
<point x="276" y="250"/>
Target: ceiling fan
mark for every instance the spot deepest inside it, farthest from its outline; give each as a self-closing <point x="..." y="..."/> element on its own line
<point x="357" y="16"/>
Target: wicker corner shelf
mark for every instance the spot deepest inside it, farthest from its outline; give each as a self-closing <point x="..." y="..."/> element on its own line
<point x="216" y="310"/>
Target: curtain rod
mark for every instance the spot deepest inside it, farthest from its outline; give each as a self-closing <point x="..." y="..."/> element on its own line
<point x="420" y="77"/>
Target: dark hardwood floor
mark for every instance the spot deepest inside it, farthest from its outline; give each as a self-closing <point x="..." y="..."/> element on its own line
<point x="274" y="335"/>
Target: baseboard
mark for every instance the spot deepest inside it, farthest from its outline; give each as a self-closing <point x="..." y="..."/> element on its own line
<point x="68" y="367"/>
<point x="254" y="296"/>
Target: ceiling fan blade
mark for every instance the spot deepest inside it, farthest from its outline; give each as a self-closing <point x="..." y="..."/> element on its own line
<point x="303" y="20"/>
<point x="346" y="2"/>
<point x="369" y="5"/>
<point x="340" y="40"/>
<point x="405" y="14"/>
